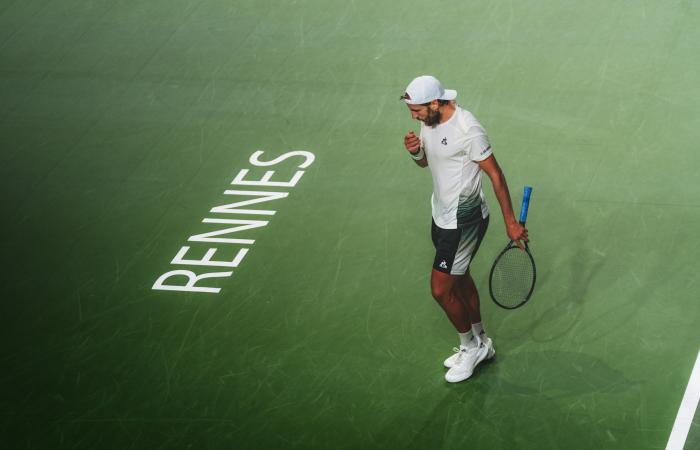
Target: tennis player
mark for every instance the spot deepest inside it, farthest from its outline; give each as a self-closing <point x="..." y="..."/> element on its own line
<point x="456" y="148"/>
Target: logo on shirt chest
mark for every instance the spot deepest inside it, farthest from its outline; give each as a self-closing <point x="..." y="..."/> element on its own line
<point x="444" y="141"/>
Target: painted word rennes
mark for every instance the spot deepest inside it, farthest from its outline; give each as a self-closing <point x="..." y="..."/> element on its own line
<point x="232" y="218"/>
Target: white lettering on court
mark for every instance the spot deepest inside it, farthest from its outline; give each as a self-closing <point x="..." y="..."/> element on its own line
<point x="233" y="231"/>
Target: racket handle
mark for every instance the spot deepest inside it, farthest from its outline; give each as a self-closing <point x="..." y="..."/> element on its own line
<point x="525" y="205"/>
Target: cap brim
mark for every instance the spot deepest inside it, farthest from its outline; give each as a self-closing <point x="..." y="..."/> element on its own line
<point x="450" y="94"/>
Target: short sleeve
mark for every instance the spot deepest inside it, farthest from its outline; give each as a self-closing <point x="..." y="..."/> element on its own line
<point x="478" y="147"/>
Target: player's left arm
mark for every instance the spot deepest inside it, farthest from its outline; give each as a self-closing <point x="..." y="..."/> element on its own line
<point x="515" y="231"/>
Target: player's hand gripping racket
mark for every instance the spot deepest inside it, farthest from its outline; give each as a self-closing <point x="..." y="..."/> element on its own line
<point x="513" y="274"/>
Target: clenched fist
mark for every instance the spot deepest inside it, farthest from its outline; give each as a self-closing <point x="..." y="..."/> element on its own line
<point x="411" y="142"/>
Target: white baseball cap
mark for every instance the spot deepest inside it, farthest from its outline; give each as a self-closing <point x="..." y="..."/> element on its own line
<point x="425" y="89"/>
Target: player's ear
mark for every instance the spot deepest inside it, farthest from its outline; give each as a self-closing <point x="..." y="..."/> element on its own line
<point x="434" y="105"/>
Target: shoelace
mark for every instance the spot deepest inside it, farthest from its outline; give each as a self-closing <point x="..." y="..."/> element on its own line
<point x="457" y="349"/>
<point x="460" y="353"/>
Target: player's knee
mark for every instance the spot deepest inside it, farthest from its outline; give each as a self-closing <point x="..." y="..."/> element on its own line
<point x="441" y="293"/>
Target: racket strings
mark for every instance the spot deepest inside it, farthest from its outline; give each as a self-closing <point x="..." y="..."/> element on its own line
<point x="513" y="277"/>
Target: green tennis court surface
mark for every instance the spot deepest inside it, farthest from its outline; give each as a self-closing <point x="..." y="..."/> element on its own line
<point x="123" y="124"/>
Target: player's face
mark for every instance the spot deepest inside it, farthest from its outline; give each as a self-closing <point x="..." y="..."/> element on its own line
<point x="425" y="114"/>
<point x="418" y="112"/>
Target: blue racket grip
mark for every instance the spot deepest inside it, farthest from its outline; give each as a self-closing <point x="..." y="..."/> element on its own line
<point x="525" y="205"/>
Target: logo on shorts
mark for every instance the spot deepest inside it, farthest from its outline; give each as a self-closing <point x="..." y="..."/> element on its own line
<point x="443" y="264"/>
<point x="444" y="141"/>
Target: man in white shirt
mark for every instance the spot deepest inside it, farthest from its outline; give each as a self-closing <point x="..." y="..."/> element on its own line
<point x="454" y="145"/>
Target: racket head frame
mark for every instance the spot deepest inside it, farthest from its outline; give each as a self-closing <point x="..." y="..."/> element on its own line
<point x="511" y="245"/>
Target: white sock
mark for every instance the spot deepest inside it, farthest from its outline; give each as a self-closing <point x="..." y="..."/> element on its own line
<point x="478" y="330"/>
<point x="467" y="339"/>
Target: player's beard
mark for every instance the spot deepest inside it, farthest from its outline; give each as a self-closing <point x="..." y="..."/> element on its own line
<point x="433" y="118"/>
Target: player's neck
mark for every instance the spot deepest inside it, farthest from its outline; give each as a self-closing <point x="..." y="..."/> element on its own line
<point x="446" y="112"/>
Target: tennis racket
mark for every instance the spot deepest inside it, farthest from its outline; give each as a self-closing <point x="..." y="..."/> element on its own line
<point x="513" y="274"/>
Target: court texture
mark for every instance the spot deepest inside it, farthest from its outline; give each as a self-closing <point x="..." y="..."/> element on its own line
<point x="132" y="134"/>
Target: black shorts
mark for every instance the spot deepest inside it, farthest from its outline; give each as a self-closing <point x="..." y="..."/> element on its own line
<point x="455" y="249"/>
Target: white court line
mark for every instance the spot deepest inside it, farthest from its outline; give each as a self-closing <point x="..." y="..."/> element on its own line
<point x="686" y="411"/>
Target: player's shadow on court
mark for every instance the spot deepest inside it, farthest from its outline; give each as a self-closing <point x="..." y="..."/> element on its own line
<point x="566" y="311"/>
<point x="575" y="277"/>
<point x="554" y="374"/>
<point x="515" y="388"/>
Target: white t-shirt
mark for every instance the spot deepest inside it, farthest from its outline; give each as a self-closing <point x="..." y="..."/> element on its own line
<point x="453" y="149"/>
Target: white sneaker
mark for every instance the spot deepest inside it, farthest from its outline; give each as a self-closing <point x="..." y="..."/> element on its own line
<point x="467" y="359"/>
<point x="449" y="362"/>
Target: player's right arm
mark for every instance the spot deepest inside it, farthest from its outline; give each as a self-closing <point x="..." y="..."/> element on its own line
<point x="413" y="145"/>
<point x="514" y="229"/>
